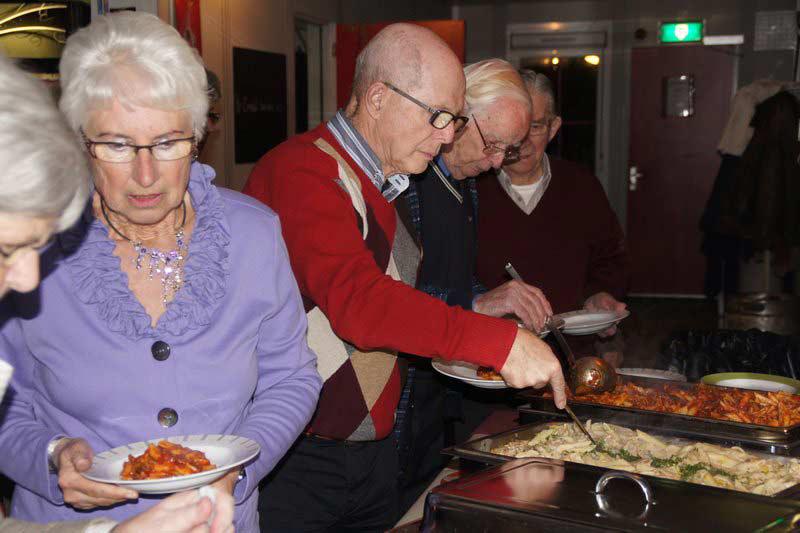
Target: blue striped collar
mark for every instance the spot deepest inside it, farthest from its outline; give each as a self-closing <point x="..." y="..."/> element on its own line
<point x="358" y="149"/>
<point x="439" y="162"/>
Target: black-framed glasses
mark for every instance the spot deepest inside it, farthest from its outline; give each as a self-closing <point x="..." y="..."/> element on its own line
<point x="121" y="152"/>
<point x="510" y="151"/>
<point x="440" y="118"/>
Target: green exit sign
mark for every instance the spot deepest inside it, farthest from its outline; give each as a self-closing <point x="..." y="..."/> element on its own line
<point x="681" y="32"/>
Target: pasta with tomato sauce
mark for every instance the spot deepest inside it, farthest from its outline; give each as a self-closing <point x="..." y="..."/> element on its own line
<point x="163" y="460"/>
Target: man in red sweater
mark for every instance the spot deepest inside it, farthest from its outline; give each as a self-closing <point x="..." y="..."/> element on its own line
<point x="551" y="219"/>
<point x="333" y="188"/>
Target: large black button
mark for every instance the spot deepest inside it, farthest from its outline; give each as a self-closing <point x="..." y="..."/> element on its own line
<point x="160" y="350"/>
<point x="167" y="417"/>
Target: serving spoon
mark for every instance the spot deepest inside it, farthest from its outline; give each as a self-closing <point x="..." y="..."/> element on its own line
<point x="587" y="374"/>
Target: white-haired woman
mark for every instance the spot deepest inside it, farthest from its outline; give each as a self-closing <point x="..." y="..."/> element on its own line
<point x="171" y="308"/>
<point x="43" y="189"/>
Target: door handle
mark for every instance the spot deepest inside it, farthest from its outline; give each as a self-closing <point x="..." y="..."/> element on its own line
<point x="633" y="178"/>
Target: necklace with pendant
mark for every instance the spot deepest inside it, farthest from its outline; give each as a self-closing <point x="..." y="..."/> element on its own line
<point x="166" y="266"/>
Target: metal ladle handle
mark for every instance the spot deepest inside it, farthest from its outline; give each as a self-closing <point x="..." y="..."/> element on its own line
<point x="554" y="325"/>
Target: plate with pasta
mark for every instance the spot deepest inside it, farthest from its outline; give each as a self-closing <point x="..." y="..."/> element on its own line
<point x="472" y="374"/>
<point x="163" y="466"/>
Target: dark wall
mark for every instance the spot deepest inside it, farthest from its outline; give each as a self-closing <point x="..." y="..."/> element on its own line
<point x="365" y="11"/>
<point x="486" y="24"/>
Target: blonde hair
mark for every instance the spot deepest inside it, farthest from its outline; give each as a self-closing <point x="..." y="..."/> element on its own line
<point x="44" y="170"/>
<point x="492" y="79"/>
<point x="137" y="59"/>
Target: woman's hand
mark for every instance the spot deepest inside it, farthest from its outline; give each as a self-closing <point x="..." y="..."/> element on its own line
<point x="227" y="483"/>
<point x="185" y="512"/>
<point x="73" y="456"/>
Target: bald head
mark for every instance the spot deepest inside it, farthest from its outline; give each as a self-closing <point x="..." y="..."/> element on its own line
<point x="405" y="77"/>
<point x="404" y="55"/>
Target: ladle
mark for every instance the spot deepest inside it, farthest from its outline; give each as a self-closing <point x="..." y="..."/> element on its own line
<point x="587" y="374"/>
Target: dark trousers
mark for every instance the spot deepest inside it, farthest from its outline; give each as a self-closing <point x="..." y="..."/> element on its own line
<point x="329" y="485"/>
<point x="441" y="412"/>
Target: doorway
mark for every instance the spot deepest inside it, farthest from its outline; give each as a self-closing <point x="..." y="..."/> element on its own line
<point x="575" y="81"/>
<point x="680" y="97"/>
<point x="309" y="68"/>
<point x="576" y="58"/>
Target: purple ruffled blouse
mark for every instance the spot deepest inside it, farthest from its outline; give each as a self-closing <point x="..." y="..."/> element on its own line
<point x="82" y="349"/>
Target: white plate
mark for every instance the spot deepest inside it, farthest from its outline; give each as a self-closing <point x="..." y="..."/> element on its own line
<point x="225" y="451"/>
<point x="749" y="380"/>
<point x="466" y="372"/>
<point x="585" y="322"/>
<point x="651" y="373"/>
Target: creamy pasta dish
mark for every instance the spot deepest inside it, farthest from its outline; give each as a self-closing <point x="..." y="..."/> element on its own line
<point x="620" y="448"/>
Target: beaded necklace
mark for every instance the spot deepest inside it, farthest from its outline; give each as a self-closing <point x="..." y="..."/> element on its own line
<point x="165" y="265"/>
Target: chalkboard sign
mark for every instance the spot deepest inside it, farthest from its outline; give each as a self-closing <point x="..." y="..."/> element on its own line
<point x="259" y="93"/>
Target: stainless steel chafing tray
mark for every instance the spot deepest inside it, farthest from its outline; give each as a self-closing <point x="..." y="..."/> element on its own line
<point x="772" y="439"/>
<point x="550" y="495"/>
<point x="477" y="453"/>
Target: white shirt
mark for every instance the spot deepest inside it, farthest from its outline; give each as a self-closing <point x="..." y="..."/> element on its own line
<point x="526" y="192"/>
<point x="527" y="197"/>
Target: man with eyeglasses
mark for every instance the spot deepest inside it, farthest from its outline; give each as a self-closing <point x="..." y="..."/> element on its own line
<point x="440" y="209"/>
<point x="562" y="208"/>
<point x="333" y="188"/>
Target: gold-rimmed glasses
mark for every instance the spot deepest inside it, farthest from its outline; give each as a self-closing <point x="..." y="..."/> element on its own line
<point x="510" y="151"/>
<point x="123" y="152"/>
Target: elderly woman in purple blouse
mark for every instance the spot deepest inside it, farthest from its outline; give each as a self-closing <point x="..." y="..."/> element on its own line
<point x="169" y="309"/>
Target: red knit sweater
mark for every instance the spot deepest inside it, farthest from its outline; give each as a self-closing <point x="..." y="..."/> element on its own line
<point x="344" y="275"/>
<point x="571" y="246"/>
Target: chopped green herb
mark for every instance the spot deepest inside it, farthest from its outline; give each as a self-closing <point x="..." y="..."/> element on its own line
<point x="628" y="456"/>
<point x="622" y="453"/>
<point x="665" y="463"/>
<point x="688" y="471"/>
<point x="720" y="472"/>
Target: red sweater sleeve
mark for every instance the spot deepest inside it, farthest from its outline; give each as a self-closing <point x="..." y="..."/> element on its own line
<point x="336" y="270"/>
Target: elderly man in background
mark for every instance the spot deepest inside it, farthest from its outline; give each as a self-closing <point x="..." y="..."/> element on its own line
<point x="333" y="189"/>
<point x="440" y="209"/>
<point x="551" y="219"/>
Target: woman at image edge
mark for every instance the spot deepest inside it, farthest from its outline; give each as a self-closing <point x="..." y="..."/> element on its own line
<point x="169" y="309"/>
<point x="43" y="189"/>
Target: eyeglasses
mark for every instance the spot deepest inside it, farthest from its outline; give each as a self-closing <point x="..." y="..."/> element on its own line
<point x="440" y="118"/>
<point x="9" y="254"/>
<point x="509" y="151"/>
<point x="120" y="152"/>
